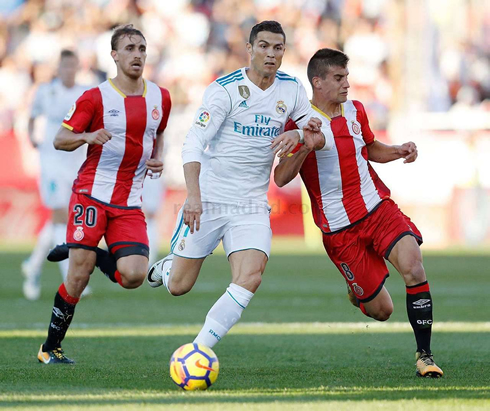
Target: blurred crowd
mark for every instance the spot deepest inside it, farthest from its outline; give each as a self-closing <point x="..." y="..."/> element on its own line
<point x="191" y="42"/>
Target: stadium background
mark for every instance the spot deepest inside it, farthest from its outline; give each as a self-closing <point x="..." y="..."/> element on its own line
<point x="421" y="68"/>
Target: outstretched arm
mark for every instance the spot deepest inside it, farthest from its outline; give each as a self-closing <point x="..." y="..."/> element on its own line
<point x="290" y="165"/>
<point x="383" y="153"/>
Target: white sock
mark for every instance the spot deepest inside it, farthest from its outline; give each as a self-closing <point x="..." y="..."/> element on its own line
<point x="167" y="266"/>
<point x="153" y="239"/>
<point x="43" y="244"/>
<point x="223" y="315"/>
<point x="59" y="237"/>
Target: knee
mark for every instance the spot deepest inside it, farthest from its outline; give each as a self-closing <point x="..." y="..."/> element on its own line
<point x="177" y="291"/>
<point x="132" y="279"/>
<point x="383" y="312"/>
<point x="251" y="281"/>
<point x="81" y="267"/>
<point x="177" y="288"/>
<point x="413" y="272"/>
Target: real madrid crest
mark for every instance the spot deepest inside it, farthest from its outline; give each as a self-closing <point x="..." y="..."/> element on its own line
<point x="244" y="91"/>
<point x="182" y="245"/>
<point x="355" y="127"/>
<point x="155" y="114"/>
<point x="281" y="108"/>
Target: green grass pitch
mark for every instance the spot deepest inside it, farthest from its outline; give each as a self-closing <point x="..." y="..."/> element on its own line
<point x="300" y="344"/>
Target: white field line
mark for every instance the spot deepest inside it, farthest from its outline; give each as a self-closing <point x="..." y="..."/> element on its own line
<point x="130" y="330"/>
<point x="292" y="392"/>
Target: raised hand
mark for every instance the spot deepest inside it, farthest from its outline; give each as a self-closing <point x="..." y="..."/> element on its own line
<point x="313" y="136"/>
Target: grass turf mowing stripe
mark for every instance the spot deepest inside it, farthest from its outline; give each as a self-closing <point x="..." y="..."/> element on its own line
<point x="129" y="330"/>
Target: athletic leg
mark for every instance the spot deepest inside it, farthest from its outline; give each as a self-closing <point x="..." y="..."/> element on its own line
<point x="247" y="268"/>
<point x="407" y="259"/>
<point x="82" y="263"/>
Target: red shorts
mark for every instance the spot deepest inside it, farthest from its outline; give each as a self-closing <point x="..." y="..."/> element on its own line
<point x="359" y="251"/>
<point x="124" y="229"/>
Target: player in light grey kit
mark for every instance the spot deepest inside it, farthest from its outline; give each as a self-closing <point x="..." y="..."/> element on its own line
<point x="58" y="168"/>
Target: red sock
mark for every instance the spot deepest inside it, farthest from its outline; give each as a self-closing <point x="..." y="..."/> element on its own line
<point x="67" y="297"/>
<point x="117" y="276"/>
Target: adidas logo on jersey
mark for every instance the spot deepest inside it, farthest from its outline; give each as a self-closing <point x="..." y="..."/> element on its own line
<point x="243" y="104"/>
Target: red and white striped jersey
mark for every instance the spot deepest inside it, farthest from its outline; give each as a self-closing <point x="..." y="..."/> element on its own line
<point x="342" y="185"/>
<point x="114" y="172"/>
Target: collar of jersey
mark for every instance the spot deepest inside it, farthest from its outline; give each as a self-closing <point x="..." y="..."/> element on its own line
<point x="124" y="95"/>
<point x="326" y="115"/>
<point x="255" y="86"/>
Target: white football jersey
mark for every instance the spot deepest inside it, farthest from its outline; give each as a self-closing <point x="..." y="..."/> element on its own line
<point x="53" y="100"/>
<point x="232" y="133"/>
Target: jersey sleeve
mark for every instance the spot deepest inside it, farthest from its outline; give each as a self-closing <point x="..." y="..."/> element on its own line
<point x="80" y="116"/>
<point x="37" y="103"/>
<point x="367" y="134"/>
<point x="302" y="109"/>
<point x="216" y="105"/>
<point x="166" y="107"/>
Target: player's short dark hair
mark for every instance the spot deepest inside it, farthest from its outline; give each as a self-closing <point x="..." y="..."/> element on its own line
<point x="121" y="31"/>
<point x="322" y="60"/>
<point x="267" y="25"/>
<point x="67" y="53"/>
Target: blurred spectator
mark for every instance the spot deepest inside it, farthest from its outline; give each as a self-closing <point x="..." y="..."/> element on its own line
<point x="191" y="42"/>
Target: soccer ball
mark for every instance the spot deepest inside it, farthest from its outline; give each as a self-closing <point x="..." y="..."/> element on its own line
<point x="194" y="367"/>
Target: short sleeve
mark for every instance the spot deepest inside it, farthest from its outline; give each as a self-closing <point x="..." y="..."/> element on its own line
<point x="302" y="109"/>
<point x="81" y="114"/>
<point x="362" y="118"/>
<point x="166" y="107"/>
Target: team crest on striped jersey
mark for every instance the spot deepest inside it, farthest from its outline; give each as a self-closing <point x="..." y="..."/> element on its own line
<point x="244" y="91"/>
<point x="356" y="128"/>
<point x="155" y="114"/>
<point x="78" y="234"/>
<point x="281" y="108"/>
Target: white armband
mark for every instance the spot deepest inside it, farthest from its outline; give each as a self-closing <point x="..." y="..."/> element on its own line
<point x="301" y="136"/>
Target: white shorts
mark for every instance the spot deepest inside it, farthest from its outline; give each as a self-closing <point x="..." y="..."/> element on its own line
<point x="240" y="228"/>
<point x="58" y="171"/>
<point x="55" y="188"/>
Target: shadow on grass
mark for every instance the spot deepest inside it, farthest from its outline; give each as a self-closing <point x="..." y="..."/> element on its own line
<point x="253" y="369"/>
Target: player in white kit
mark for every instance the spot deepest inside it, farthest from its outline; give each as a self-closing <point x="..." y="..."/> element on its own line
<point x="228" y="155"/>
<point x="58" y="168"/>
